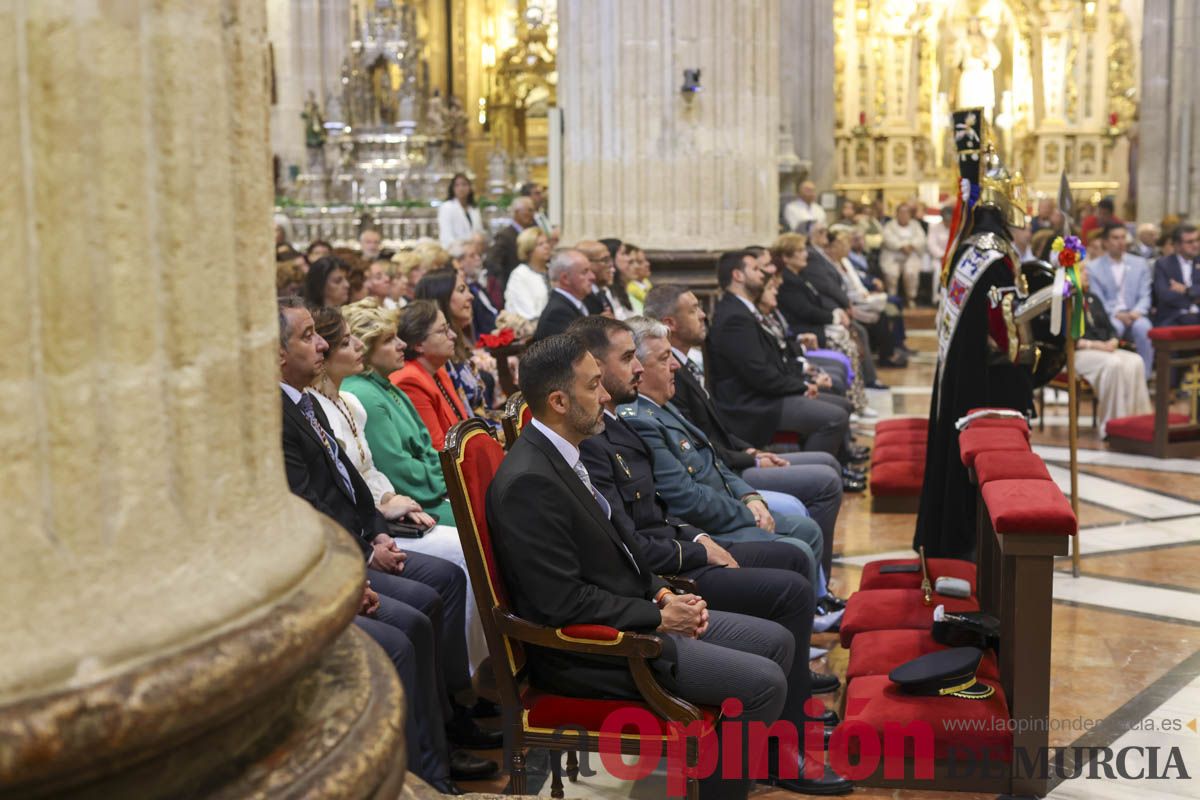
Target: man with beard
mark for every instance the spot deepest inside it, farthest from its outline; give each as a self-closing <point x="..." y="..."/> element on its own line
<point x="760" y="578"/>
<point x="565" y="563"/>
<point x="761" y="393"/>
<point x="600" y="300"/>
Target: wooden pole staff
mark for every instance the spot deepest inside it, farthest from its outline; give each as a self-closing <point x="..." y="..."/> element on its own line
<point x="1073" y="434"/>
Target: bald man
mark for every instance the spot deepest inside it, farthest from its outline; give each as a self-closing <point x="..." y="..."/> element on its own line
<point x="804" y="211"/>
<point x="502" y="257"/>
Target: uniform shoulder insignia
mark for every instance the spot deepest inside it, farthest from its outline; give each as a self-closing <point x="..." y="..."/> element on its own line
<point x="627" y="411"/>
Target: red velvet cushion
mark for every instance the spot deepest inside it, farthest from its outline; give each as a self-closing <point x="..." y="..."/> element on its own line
<point x="1141" y="427"/>
<point x="872" y="578"/>
<point x="597" y="633"/>
<point x="998" y="465"/>
<point x="901" y="424"/>
<point x="875" y="700"/>
<point x="785" y="437"/>
<point x="1175" y="333"/>
<point x="891" y="609"/>
<point x="897" y="478"/>
<point x="553" y="711"/>
<point x="879" y="652"/>
<point x="1028" y="506"/>
<point x="897" y="452"/>
<point x="974" y="441"/>
<point x="901" y="437"/>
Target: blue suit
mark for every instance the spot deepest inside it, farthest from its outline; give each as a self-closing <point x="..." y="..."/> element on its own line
<point x="1133" y="294"/>
<point x="697" y="487"/>
<point x="1175" y="308"/>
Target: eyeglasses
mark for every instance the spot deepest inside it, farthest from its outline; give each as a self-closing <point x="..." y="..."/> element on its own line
<point x="444" y="330"/>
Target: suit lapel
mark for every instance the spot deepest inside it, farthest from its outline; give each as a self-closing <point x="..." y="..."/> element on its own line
<point x="567" y="475"/>
<point x="302" y="421"/>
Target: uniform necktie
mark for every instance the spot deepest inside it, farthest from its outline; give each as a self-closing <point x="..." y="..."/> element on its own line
<point x="331" y="448"/>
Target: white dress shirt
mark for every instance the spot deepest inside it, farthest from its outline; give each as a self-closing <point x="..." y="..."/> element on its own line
<point x="799" y="213"/>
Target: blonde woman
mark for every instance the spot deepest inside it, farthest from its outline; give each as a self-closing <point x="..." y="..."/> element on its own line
<point x="400" y="445"/>
<point x="528" y="288"/>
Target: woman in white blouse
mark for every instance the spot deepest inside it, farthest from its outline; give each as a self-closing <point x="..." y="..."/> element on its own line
<point x="528" y="287"/>
<point x="903" y="253"/>
<point x="348" y="421"/>
<point x="458" y="216"/>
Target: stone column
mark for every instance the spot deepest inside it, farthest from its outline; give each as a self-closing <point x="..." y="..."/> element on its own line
<point x="644" y="162"/>
<point x="1169" y="117"/>
<point x="160" y="585"/>
<point x="806" y="85"/>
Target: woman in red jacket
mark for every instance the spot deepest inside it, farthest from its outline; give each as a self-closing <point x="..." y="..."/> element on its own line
<point x="423" y="377"/>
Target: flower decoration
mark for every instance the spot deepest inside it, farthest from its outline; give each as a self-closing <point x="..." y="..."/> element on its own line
<point x="492" y="341"/>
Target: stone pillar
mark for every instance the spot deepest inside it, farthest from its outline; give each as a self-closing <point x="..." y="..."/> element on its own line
<point x="806" y="85"/>
<point x="160" y="585"/>
<point x="1168" y="144"/>
<point x="647" y="164"/>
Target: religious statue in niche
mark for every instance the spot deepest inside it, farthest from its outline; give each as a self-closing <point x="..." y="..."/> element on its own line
<point x="976" y="59"/>
<point x="314" y="134"/>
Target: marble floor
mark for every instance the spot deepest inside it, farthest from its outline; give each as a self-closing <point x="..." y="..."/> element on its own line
<point x="1126" y="646"/>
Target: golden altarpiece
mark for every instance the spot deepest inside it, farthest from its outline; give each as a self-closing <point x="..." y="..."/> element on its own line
<point x="1057" y="79"/>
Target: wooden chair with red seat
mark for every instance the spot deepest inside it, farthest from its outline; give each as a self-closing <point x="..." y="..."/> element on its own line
<point x="1082" y="389"/>
<point x="532" y="718"/>
<point x="1163" y="434"/>
<point x="516" y="417"/>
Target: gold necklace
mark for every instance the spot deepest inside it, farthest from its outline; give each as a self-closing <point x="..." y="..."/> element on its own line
<point x="344" y="410"/>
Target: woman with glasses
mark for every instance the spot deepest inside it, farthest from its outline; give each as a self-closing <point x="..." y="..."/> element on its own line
<point x="431" y="344"/>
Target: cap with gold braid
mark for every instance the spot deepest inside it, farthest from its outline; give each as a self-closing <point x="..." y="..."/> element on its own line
<point x="945" y="673"/>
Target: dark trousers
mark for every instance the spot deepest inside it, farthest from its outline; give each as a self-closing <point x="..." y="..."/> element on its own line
<point x="769" y="584"/>
<point x="823" y="425"/>
<point x="814" y="479"/>
<point x="408" y="637"/>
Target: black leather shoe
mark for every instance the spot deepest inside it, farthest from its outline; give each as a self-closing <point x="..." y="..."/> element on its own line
<point x="447" y="786"/>
<point x="829" y="783"/>
<point x="853" y="474"/>
<point x="832" y="603"/>
<point x="877" y="385"/>
<point x="853" y="486"/>
<point x="858" y="454"/>
<point x="484" y="708"/>
<point x="824" y="684"/>
<point x="466" y="766"/>
<point x="465" y="732"/>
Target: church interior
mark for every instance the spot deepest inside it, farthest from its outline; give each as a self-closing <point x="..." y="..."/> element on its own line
<point x="678" y="398"/>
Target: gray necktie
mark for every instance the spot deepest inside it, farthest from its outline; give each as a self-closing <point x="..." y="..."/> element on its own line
<point x="697" y="373"/>
<point x="582" y="472"/>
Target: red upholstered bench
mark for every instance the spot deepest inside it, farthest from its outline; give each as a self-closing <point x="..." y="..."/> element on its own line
<point x="892" y="609"/>
<point x="996" y="465"/>
<point x="879" y="652"/>
<point x="974" y="441"/>
<point x="901" y="424"/>
<point x="897" y="452"/>
<point x="552" y="712"/>
<point x="1140" y="428"/>
<point x="976" y="732"/>
<point x="1175" y="333"/>
<point x="901" y="437"/>
<point x="1023" y="505"/>
<point x="896" y="486"/>
<point x="872" y="578"/>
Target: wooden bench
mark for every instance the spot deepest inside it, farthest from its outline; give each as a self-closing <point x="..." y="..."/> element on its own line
<point x="1163" y="434"/>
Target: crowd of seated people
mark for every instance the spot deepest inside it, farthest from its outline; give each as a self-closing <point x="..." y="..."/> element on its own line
<point x="718" y="445"/>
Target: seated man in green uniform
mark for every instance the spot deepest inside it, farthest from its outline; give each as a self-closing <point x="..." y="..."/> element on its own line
<point x="695" y="485"/>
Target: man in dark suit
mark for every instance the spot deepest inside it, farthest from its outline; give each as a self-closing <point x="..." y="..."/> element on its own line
<point x="570" y="276"/>
<point x="760" y="392"/>
<point x="419" y="615"/>
<point x="814" y="478"/>
<point x="502" y="257"/>
<point x="1176" y="288"/>
<point x="566" y="563"/>
<point x="599" y="300"/>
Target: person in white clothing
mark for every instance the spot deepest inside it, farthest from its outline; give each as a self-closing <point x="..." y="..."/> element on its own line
<point x="528" y="288"/>
<point x="348" y="422"/>
<point x="903" y="253"/>
<point x="804" y="210"/>
<point x="458" y="216"/>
